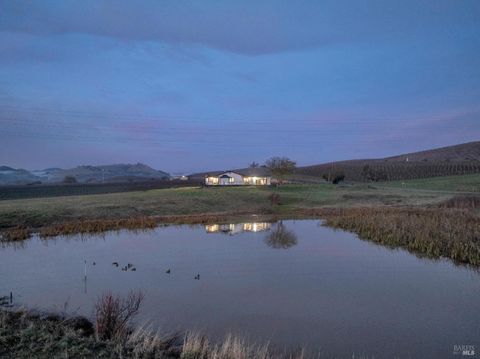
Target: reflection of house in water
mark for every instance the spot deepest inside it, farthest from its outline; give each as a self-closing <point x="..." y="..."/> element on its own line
<point x="234" y="228"/>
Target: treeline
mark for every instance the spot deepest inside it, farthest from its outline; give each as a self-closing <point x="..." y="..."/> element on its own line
<point x="381" y="170"/>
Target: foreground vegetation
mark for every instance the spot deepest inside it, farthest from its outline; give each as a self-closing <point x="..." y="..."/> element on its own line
<point x="26" y="334"/>
<point x="433" y="232"/>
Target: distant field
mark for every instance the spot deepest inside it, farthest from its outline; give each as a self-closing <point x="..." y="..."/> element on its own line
<point x="59" y="190"/>
<point x="465" y="183"/>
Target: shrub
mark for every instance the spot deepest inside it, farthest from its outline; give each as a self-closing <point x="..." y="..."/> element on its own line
<point x="274" y="199"/>
<point x="69" y="179"/>
<point x="114" y="313"/>
<point x="339" y="177"/>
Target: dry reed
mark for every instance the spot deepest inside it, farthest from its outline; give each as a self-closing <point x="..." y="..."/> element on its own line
<point x="434" y="233"/>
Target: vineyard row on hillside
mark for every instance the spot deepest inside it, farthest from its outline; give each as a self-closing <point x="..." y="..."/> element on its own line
<point x="390" y="171"/>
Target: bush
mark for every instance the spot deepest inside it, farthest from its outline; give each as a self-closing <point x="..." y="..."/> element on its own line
<point x="113" y="314"/>
<point x="274" y="199"/>
<point x="69" y="179"/>
<point x="339" y="177"/>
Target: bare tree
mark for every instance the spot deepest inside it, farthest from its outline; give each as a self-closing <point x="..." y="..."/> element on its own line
<point x="113" y="314"/>
<point x="280" y="167"/>
<point x="254" y="165"/>
<point x="281" y="237"/>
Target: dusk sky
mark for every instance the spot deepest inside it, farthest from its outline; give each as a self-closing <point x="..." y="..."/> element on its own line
<point x="185" y="86"/>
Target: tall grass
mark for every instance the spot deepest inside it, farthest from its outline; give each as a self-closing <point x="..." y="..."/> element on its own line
<point x="196" y="346"/>
<point x="29" y="334"/>
<point x="430" y="232"/>
<point x="462" y="202"/>
<point x="15" y="234"/>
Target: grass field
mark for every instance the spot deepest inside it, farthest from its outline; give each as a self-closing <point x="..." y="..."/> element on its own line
<point x="40" y="212"/>
<point x="465" y="183"/>
<point x="82" y="189"/>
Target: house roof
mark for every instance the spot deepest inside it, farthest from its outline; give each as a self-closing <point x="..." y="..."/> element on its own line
<point x="254" y="172"/>
<point x="249" y="172"/>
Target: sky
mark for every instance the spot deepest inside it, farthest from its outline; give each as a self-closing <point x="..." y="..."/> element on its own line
<point x="187" y="86"/>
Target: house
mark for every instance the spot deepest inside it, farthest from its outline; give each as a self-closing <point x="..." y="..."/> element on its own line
<point x="250" y="176"/>
<point x="235" y="228"/>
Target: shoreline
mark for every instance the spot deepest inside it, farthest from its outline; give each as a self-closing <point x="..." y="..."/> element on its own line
<point x="435" y="233"/>
<point x="40" y="334"/>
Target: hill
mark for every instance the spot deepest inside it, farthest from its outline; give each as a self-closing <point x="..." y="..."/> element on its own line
<point x="12" y="176"/>
<point x="84" y="174"/>
<point x="445" y="161"/>
<point x="109" y="173"/>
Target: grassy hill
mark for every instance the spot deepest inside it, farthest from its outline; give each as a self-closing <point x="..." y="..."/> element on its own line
<point x="446" y="161"/>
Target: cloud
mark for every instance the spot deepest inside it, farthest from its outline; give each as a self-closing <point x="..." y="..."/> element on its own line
<point x="246" y="27"/>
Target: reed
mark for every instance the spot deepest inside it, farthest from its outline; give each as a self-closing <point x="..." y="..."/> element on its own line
<point x="429" y="232"/>
<point x="15" y="234"/>
<point x="462" y="202"/>
<point x="97" y="226"/>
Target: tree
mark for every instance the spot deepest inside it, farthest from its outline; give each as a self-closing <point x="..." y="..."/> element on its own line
<point x="280" y="167"/>
<point x="338" y="177"/>
<point x="281" y="237"/>
<point x="69" y="179"/>
<point x="254" y="165"/>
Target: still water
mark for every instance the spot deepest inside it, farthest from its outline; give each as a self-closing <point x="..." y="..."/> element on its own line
<point x="294" y="283"/>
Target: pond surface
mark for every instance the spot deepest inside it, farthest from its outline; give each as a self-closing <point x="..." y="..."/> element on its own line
<point x="295" y="283"/>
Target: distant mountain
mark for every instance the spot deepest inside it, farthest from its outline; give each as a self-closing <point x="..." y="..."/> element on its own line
<point x="47" y="174"/>
<point x="82" y="174"/>
<point x="108" y="173"/>
<point x="444" y="161"/>
<point x="12" y="176"/>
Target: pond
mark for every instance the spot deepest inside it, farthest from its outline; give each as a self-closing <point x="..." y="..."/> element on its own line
<point x="293" y="283"/>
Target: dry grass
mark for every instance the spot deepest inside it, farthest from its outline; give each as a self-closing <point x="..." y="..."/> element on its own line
<point x="97" y="226"/>
<point x="15" y="234"/>
<point x="433" y="232"/>
<point x="26" y="334"/>
<point x="197" y="346"/>
<point x="462" y="202"/>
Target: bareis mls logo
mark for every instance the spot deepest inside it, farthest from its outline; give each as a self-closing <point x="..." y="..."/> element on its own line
<point x="464" y="350"/>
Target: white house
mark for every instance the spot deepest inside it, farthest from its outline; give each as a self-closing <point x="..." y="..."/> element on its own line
<point x="249" y="176"/>
<point x="234" y="228"/>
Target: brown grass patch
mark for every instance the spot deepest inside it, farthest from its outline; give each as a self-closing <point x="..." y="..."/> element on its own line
<point x="97" y="226"/>
<point x="434" y="233"/>
<point x="15" y="234"/>
<point x="462" y="202"/>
